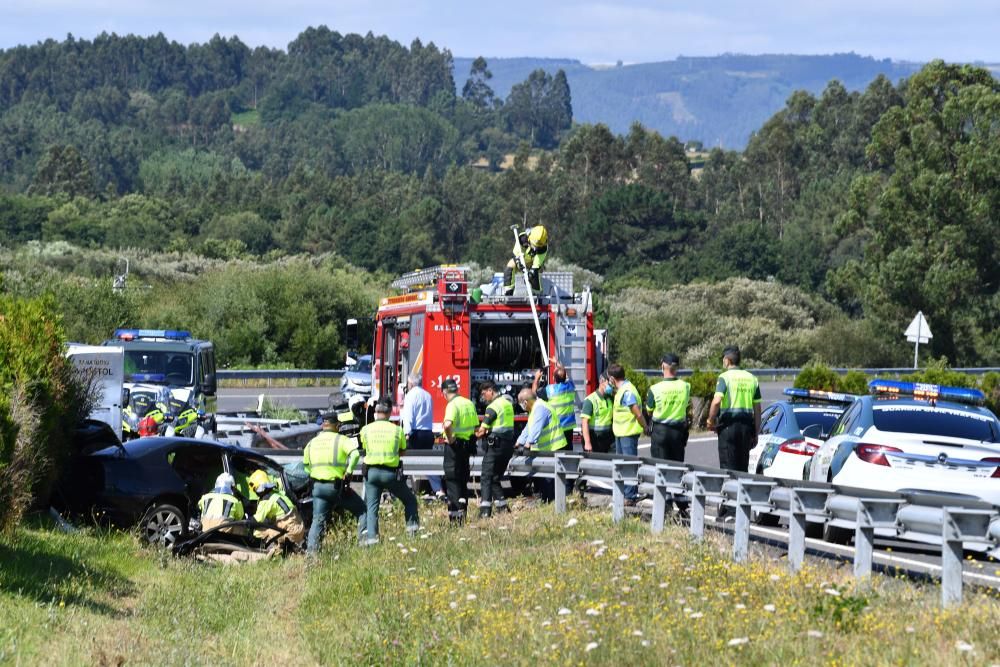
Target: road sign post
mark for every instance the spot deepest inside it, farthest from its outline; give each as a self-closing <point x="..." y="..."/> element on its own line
<point x="918" y="332"/>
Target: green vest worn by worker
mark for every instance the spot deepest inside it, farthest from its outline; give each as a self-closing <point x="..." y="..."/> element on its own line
<point x="560" y="396"/>
<point x="671" y="398"/>
<point x="623" y="421"/>
<point x="214" y="505"/>
<point x="533" y="258"/>
<point x="273" y="508"/>
<point x="330" y="456"/>
<point x="504" y="411"/>
<point x="552" y="438"/>
<point x="461" y="412"/>
<point x="739" y="391"/>
<point x="600" y="417"/>
<point x="382" y="441"/>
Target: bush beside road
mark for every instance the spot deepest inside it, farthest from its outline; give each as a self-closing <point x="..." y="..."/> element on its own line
<point x="533" y="588"/>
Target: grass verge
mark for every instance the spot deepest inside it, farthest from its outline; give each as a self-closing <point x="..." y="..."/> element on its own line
<point x="528" y="588"/>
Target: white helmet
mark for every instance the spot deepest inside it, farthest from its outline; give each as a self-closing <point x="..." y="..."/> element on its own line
<point x="224" y="483"/>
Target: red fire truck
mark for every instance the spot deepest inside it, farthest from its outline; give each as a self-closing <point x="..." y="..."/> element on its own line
<point x="442" y="327"/>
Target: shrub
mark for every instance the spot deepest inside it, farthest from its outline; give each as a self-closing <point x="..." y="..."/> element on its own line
<point x="991" y="387"/>
<point x="41" y="401"/>
<point x="817" y="377"/>
<point x="853" y="382"/>
<point x="938" y="372"/>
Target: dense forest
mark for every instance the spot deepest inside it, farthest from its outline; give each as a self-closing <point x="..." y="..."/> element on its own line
<point x="245" y="169"/>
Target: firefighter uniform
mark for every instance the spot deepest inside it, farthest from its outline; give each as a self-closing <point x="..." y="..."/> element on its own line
<point x="276" y="508"/>
<point x="218" y="508"/>
<point x="499" y="424"/>
<point x="531" y="251"/>
<point x="329" y="459"/>
<point x="667" y="402"/>
<point x="383" y="441"/>
<point x="461" y="412"/>
<point x="740" y="392"/>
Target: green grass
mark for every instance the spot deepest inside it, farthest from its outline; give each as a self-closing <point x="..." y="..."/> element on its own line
<point x="523" y="589"/>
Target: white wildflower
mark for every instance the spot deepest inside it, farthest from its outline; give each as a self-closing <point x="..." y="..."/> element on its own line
<point x="455" y="573"/>
<point x="593" y="612"/>
<point x="572" y="522"/>
<point x="814" y="633"/>
<point x="470" y="597"/>
<point x="591" y="646"/>
<point x="964" y="647"/>
<point x="832" y="591"/>
<point x="770" y="607"/>
<point x="739" y="641"/>
<point x="564" y="611"/>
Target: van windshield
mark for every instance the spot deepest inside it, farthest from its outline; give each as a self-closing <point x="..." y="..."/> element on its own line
<point x="159" y="366"/>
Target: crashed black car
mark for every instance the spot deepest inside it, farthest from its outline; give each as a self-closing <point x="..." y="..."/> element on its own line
<point x="155" y="483"/>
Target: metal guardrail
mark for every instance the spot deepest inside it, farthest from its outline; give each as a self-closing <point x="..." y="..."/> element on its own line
<point x="954" y="524"/>
<point x="280" y="374"/>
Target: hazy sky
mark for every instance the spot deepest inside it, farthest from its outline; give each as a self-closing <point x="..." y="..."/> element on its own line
<point x="593" y="32"/>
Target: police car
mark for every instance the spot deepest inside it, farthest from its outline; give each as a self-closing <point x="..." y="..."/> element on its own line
<point x="791" y="431"/>
<point x="914" y="437"/>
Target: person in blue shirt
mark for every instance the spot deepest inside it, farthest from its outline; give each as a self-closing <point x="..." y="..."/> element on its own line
<point x="417" y="420"/>
<point x="542" y="434"/>
<point x="560" y="397"/>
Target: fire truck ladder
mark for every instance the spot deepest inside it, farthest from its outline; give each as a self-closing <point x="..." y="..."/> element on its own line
<point x="531" y="299"/>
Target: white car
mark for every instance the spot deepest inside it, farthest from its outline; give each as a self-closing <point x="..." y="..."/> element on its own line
<point x="792" y="431"/>
<point x="912" y="437"/>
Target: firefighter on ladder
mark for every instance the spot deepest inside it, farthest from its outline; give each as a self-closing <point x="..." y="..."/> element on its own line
<point x="530" y="251"/>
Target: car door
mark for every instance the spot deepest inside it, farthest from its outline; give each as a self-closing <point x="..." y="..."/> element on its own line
<point x="840" y="435"/>
<point x="769" y="422"/>
<point x="197" y="466"/>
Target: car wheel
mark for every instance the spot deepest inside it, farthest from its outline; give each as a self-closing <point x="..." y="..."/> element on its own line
<point x="765" y="519"/>
<point x="837" y="535"/>
<point x="163" y="525"/>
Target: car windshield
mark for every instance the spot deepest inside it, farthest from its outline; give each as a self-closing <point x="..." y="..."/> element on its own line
<point x="938" y="421"/>
<point x="159" y="366"/>
<point x="362" y="366"/>
<point x="825" y="419"/>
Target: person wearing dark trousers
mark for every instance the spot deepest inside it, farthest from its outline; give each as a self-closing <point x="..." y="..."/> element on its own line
<point x="459" y="425"/>
<point x="595" y="418"/>
<point x="668" y="405"/>
<point x="735" y="413"/>
<point x="329" y="460"/>
<point x="497" y="430"/>
<point x="417" y="420"/>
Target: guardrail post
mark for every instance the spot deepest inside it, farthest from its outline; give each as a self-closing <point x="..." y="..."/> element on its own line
<point x="796" y="532"/>
<point x="567" y="467"/>
<point x="666" y="476"/>
<point x="623" y="473"/>
<point x="699" y="485"/>
<point x="864" y="541"/>
<point x="741" y="530"/>
<point x="951" y="560"/>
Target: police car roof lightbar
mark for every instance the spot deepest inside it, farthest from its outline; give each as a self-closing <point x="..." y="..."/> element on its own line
<point x="927" y="391"/>
<point x="147" y="334"/>
<point x="817" y="395"/>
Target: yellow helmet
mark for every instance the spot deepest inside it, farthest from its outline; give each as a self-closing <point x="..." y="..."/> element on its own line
<point x="259" y="479"/>
<point x="538" y="236"/>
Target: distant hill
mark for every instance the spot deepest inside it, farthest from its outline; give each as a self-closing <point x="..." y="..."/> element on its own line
<point x="717" y="100"/>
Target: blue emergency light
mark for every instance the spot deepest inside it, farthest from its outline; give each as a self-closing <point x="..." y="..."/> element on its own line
<point x="818" y="395"/>
<point x="148" y="377"/>
<point x="927" y="391"/>
<point x="163" y="334"/>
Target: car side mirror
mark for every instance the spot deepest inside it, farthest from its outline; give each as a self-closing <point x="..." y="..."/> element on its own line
<point x="126" y="396"/>
<point x="208" y="384"/>
<point x="815" y="431"/>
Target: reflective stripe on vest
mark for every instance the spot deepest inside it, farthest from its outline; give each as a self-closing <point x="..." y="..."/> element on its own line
<point x="504" y="411"/>
<point x="601" y="418"/>
<point x="670" y="399"/>
<point x="325" y="457"/>
<point x="276" y="506"/>
<point x="464" y="420"/>
<point x="737" y="400"/>
<point x="560" y="397"/>
<point x="552" y="438"/>
<point x="382" y="441"/>
<point x="220" y="506"/>
<point x="623" y="421"/>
